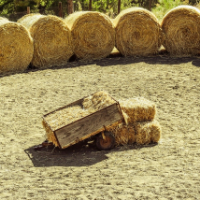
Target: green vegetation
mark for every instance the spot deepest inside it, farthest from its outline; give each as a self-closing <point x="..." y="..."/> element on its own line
<point x="164" y="6"/>
<point x="158" y="7"/>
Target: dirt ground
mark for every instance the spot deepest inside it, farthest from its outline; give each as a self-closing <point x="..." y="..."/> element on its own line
<point x="168" y="170"/>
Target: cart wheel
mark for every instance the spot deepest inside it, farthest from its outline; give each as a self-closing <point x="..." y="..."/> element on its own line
<point x="105" y="141"/>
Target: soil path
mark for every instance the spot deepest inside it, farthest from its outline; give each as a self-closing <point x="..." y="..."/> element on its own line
<point x="169" y="170"/>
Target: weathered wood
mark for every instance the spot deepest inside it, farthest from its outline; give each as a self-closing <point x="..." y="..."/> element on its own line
<point x="60" y="13"/>
<point x="150" y="3"/>
<point x="119" y="6"/>
<point x="70" y="6"/>
<point x="88" y="126"/>
<point x="28" y="10"/>
<point x="90" y="5"/>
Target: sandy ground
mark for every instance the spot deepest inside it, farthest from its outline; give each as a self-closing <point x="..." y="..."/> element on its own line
<point x="169" y="170"/>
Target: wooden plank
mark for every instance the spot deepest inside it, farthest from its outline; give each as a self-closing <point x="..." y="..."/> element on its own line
<point x="60" y="14"/>
<point x="28" y="10"/>
<point x="150" y="3"/>
<point x="85" y="127"/>
<point x="90" y="5"/>
<point x="70" y="6"/>
<point x="119" y="6"/>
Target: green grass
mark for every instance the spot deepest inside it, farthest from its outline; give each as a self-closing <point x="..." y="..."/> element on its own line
<point x="166" y="5"/>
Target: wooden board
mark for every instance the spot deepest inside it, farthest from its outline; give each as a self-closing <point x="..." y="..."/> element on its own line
<point x="88" y="126"/>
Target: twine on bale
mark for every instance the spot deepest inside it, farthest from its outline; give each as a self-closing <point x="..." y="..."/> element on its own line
<point x="137" y="32"/>
<point x="93" y="34"/>
<point x="181" y="31"/>
<point x="52" y="40"/>
<point x="16" y="47"/>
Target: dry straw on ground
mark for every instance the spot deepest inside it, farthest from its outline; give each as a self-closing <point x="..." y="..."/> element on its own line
<point x="138" y="109"/>
<point x="93" y="34"/>
<point x="181" y="31"/>
<point x="52" y="40"/>
<point x="16" y="47"/>
<point x="137" y="32"/>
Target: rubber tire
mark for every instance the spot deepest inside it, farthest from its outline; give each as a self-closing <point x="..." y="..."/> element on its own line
<point x="101" y="145"/>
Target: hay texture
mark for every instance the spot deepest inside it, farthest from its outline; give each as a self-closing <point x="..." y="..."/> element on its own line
<point x="52" y="40"/>
<point x="140" y="132"/>
<point x="147" y="132"/>
<point x="93" y="34"/>
<point x="181" y="31"/>
<point x="124" y="134"/>
<point x="97" y="101"/>
<point x="137" y="32"/>
<point x="16" y="47"/>
<point x="50" y="134"/>
<point x="137" y="110"/>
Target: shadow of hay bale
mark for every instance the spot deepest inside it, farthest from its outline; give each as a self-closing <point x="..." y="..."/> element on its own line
<point x="117" y="60"/>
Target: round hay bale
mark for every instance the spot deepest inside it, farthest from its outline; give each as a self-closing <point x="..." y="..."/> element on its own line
<point x="181" y="31"/>
<point x="137" y="32"/>
<point x="93" y="34"/>
<point x="16" y="47"/>
<point x="52" y="40"/>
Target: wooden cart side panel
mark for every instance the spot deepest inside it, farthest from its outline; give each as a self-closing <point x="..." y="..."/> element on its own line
<point x="88" y="136"/>
<point x="88" y="125"/>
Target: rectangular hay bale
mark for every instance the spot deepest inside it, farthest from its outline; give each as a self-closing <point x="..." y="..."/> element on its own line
<point x="139" y="132"/>
<point x="137" y="110"/>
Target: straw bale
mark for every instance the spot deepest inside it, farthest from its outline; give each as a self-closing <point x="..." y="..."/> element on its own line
<point x="137" y="32"/>
<point x="98" y="101"/>
<point x="147" y="132"/>
<point x="93" y="34"/>
<point x="181" y="31"/>
<point x="16" y="47"/>
<point x="52" y="40"/>
<point x="137" y="110"/>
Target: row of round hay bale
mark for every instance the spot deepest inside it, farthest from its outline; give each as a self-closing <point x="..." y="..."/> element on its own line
<point x="137" y="32"/>
<point x="16" y="47"/>
<point x="52" y="40"/>
<point x="181" y="31"/>
<point x="93" y="34"/>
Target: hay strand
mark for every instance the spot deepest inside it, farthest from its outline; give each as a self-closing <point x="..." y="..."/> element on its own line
<point x="181" y="31"/>
<point x="93" y="34"/>
<point x="147" y="132"/>
<point x="97" y="101"/>
<point x="52" y="40"/>
<point x="16" y="47"/>
<point x="137" y="32"/>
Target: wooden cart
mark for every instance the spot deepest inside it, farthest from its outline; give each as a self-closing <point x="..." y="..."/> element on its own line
<point x="93" y="125"/>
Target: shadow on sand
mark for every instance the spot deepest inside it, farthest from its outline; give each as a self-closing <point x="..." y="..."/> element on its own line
<point x="81" y="154"/>
<point x="117" y="59"/>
